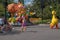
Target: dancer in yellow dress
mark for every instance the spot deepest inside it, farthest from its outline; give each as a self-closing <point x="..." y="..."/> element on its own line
<point x="54" y="21"/>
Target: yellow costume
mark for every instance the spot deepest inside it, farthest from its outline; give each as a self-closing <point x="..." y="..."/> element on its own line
<point x="11" y="20"/>
<point x="54" y="20"/>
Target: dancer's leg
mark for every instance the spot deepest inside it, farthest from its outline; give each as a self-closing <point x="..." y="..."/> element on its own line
<point x="51" y="26"/>
<point x="57" y="26"/>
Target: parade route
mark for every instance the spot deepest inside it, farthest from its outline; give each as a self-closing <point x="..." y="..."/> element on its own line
<point x="35" y="32"/>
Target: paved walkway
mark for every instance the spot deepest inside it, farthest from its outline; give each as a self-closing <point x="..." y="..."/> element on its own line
<point x="35" y="32"/>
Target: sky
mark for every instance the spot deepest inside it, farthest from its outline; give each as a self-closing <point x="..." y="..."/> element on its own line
<point x="28" y="1"/>
<point x="25" y="1"/>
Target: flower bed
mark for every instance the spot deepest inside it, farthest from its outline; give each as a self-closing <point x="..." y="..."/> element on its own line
<point x="35" y="20"/>
<point x="39" y="20"/>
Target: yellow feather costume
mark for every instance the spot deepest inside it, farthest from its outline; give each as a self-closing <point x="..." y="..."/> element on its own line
<point x="54" y="20"/>
<point x="11" y="20"/>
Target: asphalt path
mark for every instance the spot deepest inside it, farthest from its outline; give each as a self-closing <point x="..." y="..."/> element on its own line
<point x="34" y="32"/>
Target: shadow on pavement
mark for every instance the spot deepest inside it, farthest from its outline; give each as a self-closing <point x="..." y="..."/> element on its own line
<point x="55" y="28"/>
<point x="32" y="31"/>
<point x="10" y="33"/>
<point x="15" y="32"/>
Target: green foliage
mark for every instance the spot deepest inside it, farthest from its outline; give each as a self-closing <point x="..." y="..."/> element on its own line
<point x="10" y="1"/>
<point x="1" y="10"/>
<point x="47" y="13"/>
<point x="55" y="4"/>
<point x="0" y="1"/>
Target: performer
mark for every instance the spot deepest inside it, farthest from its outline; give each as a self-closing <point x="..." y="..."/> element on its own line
<point x="54" y="21"/>
<point x="23" y="24"/>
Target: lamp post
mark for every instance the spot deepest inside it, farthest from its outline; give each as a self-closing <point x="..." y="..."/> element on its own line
<point x="5" y="6"/>
<point x="42" y="6"/>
